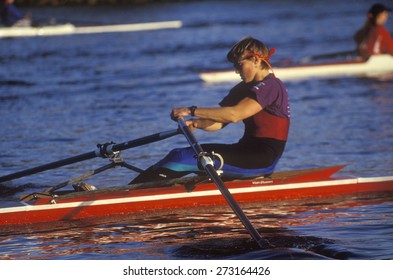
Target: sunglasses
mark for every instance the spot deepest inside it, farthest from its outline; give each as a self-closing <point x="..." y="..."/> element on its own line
<point x="238" y="64"/>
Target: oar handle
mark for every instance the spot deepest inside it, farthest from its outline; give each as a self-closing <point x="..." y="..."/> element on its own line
<point x="189" y="136"/>
<point x="103" y="151"/>
<point x="207" y="162"/>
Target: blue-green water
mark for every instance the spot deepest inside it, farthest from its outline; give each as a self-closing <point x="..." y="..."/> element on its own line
<point x="60" y="96"/>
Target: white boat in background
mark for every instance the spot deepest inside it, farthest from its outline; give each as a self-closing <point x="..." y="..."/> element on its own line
<point x="376" y="65"/>
<point x="70" y="29"/>
<point x="128" y="27"/>
<point x="49" y="30"/>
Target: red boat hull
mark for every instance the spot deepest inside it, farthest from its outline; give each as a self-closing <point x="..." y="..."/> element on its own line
<point x="91" y="204"/>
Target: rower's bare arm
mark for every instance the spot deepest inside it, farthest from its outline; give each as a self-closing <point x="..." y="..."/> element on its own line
<point x="200" y="123"/>
<point x="211" y="119"/>
<point x="244" y="109"/>
<point x="207" y="125"/>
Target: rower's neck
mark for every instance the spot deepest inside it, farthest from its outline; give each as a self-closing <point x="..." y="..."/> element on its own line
<point x="262" y="75"/>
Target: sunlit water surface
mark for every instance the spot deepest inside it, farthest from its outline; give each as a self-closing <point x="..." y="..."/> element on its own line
<point x="60" y="96"/>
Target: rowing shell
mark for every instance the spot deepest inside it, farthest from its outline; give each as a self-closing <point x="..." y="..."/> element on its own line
<point x="70" y="29"/>
<point x="374" y="66"/>
<point x="186" y="193"/>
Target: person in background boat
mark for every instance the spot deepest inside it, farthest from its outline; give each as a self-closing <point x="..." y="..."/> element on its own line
<point x="373" y="37"/>
<point x="11" y="16"/>
<point x="260" y="101"/>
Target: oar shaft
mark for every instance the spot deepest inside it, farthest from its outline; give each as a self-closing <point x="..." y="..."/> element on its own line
<point x="145" y="140"/>
<point x="48" y="166"/>
<point x="208" y="166"/>
<point x="329" y="55"/>
<point x="108" y="149"/>
<point x="334" y="55"/>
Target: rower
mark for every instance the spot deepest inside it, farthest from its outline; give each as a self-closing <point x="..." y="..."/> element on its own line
<point x="373" y="37"/>
<point x="260" y="101"/>
<point x="11" y="16"/>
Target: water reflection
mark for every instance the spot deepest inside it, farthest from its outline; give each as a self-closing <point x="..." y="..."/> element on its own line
<point x="210" y="233"/>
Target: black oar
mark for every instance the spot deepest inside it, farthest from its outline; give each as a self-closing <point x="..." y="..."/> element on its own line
<point x="208" y="165"/>
<point x="330" y="55"/>
<point x="102" y="151"/>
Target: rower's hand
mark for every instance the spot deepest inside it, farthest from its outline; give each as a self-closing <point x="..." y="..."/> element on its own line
<point x="180" y="113"/>
<point x="192" y="124"/>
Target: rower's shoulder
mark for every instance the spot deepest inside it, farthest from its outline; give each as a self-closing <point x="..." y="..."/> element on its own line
<point x="269" y="81"/>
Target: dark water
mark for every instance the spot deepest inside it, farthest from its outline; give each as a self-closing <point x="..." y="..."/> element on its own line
<point x="60" y="96"/>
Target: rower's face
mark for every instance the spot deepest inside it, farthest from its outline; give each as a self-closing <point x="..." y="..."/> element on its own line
<point x="382" y="18"/>
<point x="246" y="68"/>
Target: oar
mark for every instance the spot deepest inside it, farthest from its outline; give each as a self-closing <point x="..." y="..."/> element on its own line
<point x="102" y="151"/>
<point x="208" y="165"/>
<point x="329" y="55"/>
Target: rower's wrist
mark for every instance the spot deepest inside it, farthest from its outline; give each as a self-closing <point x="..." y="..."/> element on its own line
<point x="192" y="110"/>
